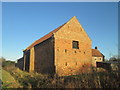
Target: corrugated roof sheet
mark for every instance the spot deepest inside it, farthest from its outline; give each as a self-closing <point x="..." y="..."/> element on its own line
<point x="47" y="36"/>
<point x="96" y="53"/>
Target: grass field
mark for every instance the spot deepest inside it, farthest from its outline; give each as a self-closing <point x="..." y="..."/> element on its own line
<point x="8" y="80"/>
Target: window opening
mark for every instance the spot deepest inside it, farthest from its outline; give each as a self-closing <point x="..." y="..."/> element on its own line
<point x="66" y="64"/>
<point x="75" y="44"/>
<point x="65" y="50"/>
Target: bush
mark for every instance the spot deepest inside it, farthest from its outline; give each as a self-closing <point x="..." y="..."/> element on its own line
<point x="7" y="63"/>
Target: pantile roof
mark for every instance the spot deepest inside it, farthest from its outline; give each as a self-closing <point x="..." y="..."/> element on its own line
<point x="96" y="53"/>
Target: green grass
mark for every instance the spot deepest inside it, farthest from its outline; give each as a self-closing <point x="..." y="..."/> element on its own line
<point x="27" y="80"/>
<point x="8" y="80"/>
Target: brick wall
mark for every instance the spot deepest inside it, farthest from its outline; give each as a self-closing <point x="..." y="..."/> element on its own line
<point x="68" y="60"/>
<point x="44" y="57"/>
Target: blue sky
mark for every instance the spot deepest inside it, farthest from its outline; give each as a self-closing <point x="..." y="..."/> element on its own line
<point x="23" y="23"/>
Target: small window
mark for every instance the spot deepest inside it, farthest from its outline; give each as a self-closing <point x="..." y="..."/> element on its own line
<point x="75" y="52"/>
<point x="75" y="44"/>
<point x="100" y="58"/>
<point x="65" y="50"/>
<point x="95" y="58"/>
<point x="66" y="64"/>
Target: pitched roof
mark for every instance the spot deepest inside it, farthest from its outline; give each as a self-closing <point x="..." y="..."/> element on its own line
<point x="96" y="53"/>
<point x="47" y="36"/>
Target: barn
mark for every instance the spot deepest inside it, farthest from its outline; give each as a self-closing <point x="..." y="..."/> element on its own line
<point x="67" y="50"/>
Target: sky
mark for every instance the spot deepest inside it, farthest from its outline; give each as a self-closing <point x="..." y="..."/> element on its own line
<point x="25" y="22"/>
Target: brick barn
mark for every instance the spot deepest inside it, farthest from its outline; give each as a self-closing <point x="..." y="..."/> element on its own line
<point x="66" y="50"/>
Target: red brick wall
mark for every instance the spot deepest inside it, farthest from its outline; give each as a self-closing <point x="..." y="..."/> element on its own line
<point x="44" y="57"/>
<point x="73" y="60"/>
